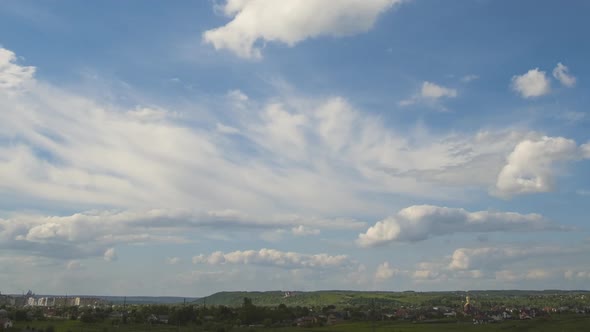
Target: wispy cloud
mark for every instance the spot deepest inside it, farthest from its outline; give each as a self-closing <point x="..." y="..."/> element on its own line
<point x="430" y="92"/>
<point x="561" y="73"/>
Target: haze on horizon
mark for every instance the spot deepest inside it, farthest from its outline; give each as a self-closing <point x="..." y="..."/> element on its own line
<point x="188" y="147"/>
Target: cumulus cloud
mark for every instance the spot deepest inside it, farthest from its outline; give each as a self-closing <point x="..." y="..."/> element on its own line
<point x="420" y="222"/>
<point x="12" y="75"/>
<point x="502" y="264"/>
<point x="110" y="255"/>
<point x="91" y="233"/>
<point x="561" y="73"/>
<point x="531" y="167"/>
<point x="430" y="92"/>
<point x="58" y="147"/>
<point x="276" y="258"/>
<point x="533" y="83"/>
<point x="384" y="272"/>
<point x="290" y="22"/>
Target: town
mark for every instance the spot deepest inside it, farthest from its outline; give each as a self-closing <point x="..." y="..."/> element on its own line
<point x="296" y="310"/>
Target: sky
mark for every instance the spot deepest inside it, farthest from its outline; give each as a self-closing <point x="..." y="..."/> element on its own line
<point x="189" y="147"/>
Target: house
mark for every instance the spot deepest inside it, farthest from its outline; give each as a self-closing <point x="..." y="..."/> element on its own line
<point x="450" y="314"/>
<point x="5" y="323"/>
<point x="158" y="319"/>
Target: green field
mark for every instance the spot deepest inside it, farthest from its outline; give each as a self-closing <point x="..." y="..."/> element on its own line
<point x="570" y="323"/>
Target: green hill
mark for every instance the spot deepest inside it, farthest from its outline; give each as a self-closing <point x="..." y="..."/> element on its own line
<point x="319" y="298"/>
<point x="395" y="299"/>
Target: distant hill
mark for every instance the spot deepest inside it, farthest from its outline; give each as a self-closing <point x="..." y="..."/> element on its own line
<point x="355" y="298"/>
<point x="147" y="299"/>
<point x="316" y="298"/>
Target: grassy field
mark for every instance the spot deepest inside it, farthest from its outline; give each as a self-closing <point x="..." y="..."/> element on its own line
<point x="571" y="323"/>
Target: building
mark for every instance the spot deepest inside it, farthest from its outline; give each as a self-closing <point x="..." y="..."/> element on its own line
<point x="5" y="322"/>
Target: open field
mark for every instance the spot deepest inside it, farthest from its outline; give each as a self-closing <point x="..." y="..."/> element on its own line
<point x="570" y="323"/>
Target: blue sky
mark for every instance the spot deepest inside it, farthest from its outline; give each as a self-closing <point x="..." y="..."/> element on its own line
<point x="184" y="148"/>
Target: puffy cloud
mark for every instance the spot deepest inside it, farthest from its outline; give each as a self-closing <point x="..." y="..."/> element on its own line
<point x="384" y="272"/>
<point x="500" y="264"/>
<point x="531" y="167"/>
<point x="272" y="257"/>
<point x="419" y="222"/>
<point x="533" y="83"/>
<point x="91" y="233"/>
<point x="561" y="73"/>
<point x="430" y="92"/>
<point x="12" y="75"/>
<point x="291" y="21"/>
<point x="110" y="255"/>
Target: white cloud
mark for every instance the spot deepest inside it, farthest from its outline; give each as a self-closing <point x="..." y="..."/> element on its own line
<point x="575" y="274"/>
<point x="435" y="91"/>
<point x="74" y="265"/>
<point x="384" y="272"/>
<point x="420" y="222"/>
<point x="512" y="276"/>
<point x="291" y="21"/>
<point x="430" y="92"/>
<point x="276" y="258"/>
<point x="469" y="78"/>
<point x="304" y="231"/>
<point x="173" y="260"/>
<point x="91" y="233"/>
<point x="229" y="130"/>
<point x="494" y="257"/>
<point x="237" y="96"/>
<point x="495" y="266"/>
<point x="533" y="83"/>
<point x="59" y="148"/>
<point x="561" y="73"/>
<point x="12" y="75"/>
<point x="71" y="149"/>
<point x="110" y="255"/>
<point x="531" y="167"/>
<point x="585" y="150"/>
